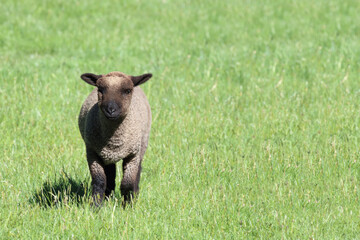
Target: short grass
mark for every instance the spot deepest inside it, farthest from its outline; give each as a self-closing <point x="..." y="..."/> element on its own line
<point x="255" y="108"/>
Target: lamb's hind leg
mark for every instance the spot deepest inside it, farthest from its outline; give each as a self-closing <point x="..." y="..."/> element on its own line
<point x="98" y="177"/>
<point x="131" y="177"/>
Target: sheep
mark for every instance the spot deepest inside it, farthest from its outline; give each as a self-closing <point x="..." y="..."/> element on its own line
<point x="114" y="122"/>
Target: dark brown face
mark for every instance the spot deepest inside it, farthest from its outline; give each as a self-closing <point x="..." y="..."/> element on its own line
<point x="115" y="91"/>
<point x="114" y="94"/>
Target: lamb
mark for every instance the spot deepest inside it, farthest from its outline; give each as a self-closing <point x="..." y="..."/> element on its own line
<point x="114" y="122"/>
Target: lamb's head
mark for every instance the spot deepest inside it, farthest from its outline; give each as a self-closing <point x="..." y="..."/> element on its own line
<point x="115" y="91"/>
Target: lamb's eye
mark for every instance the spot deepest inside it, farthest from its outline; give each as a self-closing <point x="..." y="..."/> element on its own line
<point x="127" y="91"/>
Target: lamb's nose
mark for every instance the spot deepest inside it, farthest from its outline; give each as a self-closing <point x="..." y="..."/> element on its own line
<point x="111" y="108"/>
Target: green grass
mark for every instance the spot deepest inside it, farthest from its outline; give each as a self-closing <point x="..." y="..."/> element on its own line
<point x="255" y="108"/>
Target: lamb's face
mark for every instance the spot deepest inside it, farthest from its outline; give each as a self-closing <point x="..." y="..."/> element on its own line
<point x="114" y="94"/>
<point x="115" y="91"/>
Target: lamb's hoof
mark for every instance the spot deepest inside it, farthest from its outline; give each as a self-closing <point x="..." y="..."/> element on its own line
<point x="96" y="202"/>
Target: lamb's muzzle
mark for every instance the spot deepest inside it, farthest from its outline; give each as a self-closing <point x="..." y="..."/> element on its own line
<point x="111" y="110"/>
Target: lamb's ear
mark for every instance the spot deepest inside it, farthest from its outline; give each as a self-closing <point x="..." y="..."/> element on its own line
<point x="90" y="78"/>
<point x="137" y="80"/>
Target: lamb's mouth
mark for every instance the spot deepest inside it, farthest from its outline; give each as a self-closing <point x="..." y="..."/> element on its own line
<point x="112" y="117"/>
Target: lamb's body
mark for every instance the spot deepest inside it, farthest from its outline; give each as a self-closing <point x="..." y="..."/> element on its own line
<point x="115" y="122"/>
<point x="111" y="141"/>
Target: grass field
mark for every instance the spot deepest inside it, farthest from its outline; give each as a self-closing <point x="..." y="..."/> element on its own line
<point x="255" y="109"/>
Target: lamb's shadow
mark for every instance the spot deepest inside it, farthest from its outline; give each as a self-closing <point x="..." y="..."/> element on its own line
<point x="63" y="190"/>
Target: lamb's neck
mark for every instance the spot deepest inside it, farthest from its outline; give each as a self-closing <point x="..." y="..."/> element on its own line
<point x="109" y="127"/>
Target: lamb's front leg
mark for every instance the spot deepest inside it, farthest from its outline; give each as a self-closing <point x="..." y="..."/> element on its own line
<point x="110" y="171"/>
<point x="131" y="177"/>
<point x="98" y="176"/>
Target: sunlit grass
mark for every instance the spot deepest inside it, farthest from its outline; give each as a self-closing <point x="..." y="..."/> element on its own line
<point x="255" y="118"/>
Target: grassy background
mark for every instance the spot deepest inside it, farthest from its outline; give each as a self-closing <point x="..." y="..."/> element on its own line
<point x="255" y="117"/>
